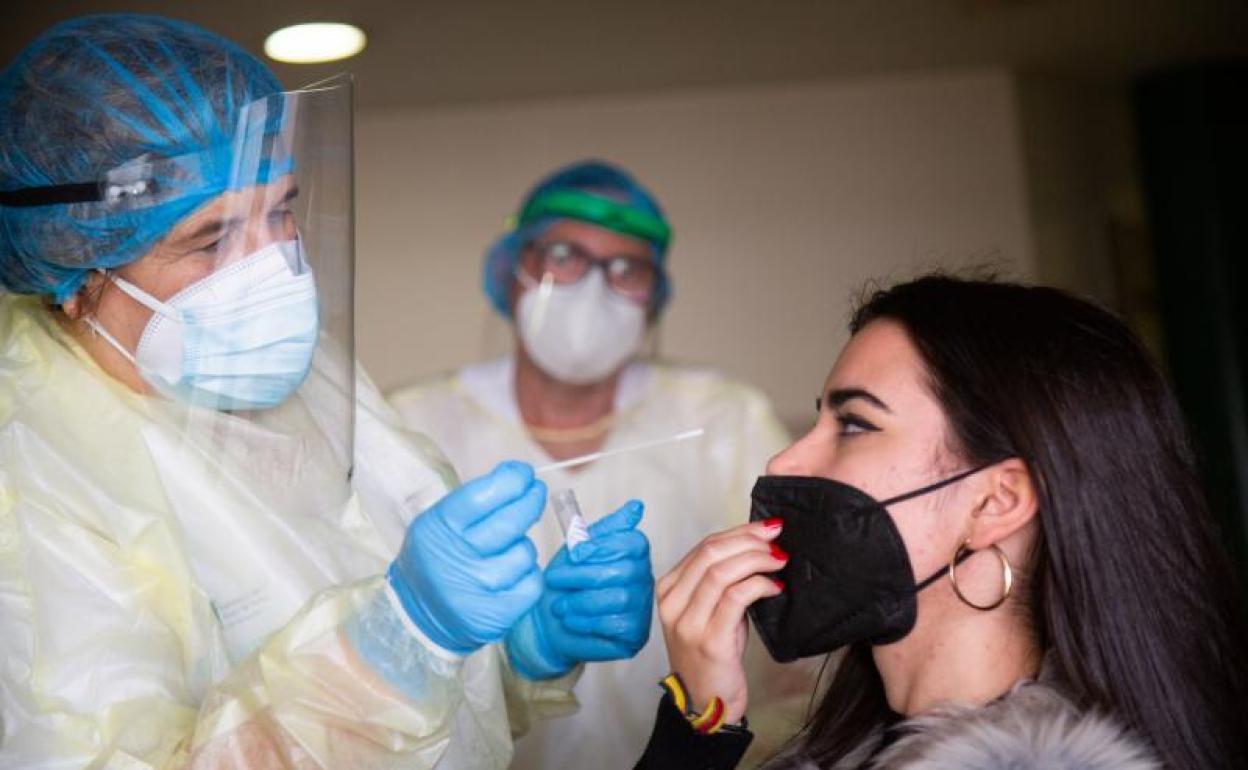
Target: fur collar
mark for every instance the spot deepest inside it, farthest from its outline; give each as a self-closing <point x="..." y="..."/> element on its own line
<point x="1032" y="728"/>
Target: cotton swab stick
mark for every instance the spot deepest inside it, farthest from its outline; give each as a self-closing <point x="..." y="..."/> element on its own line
<point x="592" y="456"/>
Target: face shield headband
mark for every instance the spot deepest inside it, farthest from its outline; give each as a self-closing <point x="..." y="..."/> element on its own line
<point x="259" y="153"/>
<point x="132" y="206"/>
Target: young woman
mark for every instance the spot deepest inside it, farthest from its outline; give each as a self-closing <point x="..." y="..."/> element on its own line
<point x="997" y="513"/>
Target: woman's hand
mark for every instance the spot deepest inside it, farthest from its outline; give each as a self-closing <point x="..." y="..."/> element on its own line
<point x="702" y="604"/>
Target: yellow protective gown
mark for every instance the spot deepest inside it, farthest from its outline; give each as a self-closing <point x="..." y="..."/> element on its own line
<point x="690" y="489"/>
<point x="158" y="610"/>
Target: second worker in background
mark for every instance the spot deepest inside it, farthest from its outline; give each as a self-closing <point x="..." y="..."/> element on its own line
<point x="582" y="278"/>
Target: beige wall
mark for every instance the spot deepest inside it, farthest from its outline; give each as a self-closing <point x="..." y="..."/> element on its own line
<point x="1086" y="197"/>
<point x="784" y="201"/>
<point x="1079" y="163"/>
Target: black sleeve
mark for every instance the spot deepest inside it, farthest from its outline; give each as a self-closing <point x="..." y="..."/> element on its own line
<point x="675" y="745"/>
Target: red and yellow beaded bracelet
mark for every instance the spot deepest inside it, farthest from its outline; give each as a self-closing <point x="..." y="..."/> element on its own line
<point x="709" y="721"/>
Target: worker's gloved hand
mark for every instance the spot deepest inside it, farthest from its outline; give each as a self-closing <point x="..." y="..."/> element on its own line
<point x="466" y="572"/>
<point x="595" y="608"/>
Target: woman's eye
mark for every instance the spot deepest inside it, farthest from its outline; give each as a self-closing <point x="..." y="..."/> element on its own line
<point x="852" y="425"/>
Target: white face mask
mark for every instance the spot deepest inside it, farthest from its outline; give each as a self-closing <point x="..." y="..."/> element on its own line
<point x="241" y="338"/>
<point x="582" y="332"/>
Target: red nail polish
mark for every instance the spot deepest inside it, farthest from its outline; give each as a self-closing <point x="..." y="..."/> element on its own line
<point x="775" y="522"/>
<point x="778" y="553"/>
<point x="779" y="583"/>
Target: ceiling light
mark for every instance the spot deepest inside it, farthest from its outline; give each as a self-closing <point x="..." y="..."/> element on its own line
<point x="311" y="43"/>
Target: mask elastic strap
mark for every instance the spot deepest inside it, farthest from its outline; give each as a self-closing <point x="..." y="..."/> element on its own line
<point x="938" y="485"/>
<point x="99" y="329"/>
<point x="544" y="290"/>
<point x="966" y="554"/>
<point x="141" y="297"/>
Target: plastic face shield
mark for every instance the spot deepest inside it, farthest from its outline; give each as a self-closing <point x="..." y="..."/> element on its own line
<point x="258" y="493"/>
<point x="284" y="188"/>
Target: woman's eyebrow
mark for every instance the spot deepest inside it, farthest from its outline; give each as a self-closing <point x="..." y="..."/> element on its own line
<point x="841" y="396"/>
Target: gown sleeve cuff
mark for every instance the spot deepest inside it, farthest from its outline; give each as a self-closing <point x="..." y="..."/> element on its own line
<point x="393" y="647"/>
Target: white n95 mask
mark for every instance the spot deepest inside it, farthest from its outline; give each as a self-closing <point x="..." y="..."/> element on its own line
<point x="241" y="338"/>
<point x="582" y="332"/>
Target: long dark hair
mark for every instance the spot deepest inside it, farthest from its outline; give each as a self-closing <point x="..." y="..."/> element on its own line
<point x="1130" y="592"/>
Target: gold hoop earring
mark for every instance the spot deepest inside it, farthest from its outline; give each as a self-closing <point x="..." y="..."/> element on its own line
<point x="1007" y="577"/>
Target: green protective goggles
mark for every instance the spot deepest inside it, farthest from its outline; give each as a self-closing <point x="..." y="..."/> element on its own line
<point x="603" y="212"/>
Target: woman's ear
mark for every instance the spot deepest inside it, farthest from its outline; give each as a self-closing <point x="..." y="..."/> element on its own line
<point x="1008" y="503"/>
<point x="72" y="308"/>
<point x="83" y="301"/>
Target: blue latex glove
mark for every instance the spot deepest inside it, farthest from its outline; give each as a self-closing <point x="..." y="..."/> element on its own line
<point x="466" y="572"/>
<point x="595" y="608"/>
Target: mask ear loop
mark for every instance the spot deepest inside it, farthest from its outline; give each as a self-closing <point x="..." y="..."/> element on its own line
<point x="544" y="290"/>
<point x="938" y="485"/>
<point x="99" y="329"/>
<point x="963" y="553"/>
<point x="138" y="295"/>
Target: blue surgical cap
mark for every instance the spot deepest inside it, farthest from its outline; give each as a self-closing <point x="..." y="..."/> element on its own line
<point x="98" y="93"/>
<point x="590" y="176"/>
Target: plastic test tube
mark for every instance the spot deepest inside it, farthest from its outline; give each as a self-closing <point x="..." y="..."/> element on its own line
<point x="568" y="512"/>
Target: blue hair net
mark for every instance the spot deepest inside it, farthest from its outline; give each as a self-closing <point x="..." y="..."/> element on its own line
<point x="95" y="96"/>
<point x="591" y="176"/>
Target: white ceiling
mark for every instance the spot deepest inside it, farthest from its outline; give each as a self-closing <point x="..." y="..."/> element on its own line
<point x="425" y="53"/>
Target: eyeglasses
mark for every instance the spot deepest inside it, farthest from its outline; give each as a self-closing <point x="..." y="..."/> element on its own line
<point x="631" y="277"/>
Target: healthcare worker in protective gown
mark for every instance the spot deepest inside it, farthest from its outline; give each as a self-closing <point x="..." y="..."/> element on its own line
<point x="582" y="277"/>
<point x="216" y="547"/>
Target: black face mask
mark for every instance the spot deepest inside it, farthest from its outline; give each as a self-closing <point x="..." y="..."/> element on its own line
<point x="848" y="578"/>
